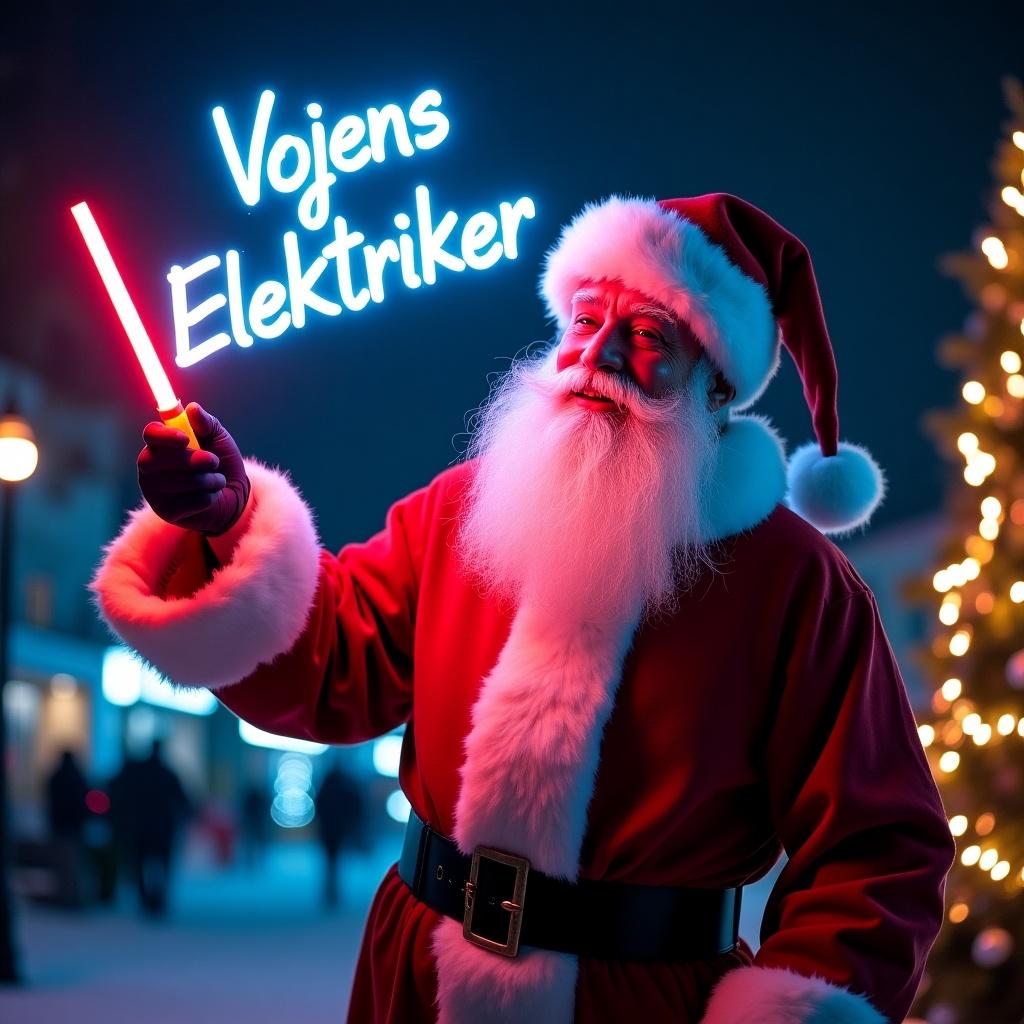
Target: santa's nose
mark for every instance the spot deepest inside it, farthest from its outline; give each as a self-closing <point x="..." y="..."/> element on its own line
<point x="604" y="351"/>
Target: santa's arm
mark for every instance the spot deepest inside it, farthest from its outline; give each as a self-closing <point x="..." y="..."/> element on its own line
<point x="293" y="638"/>
<point x="854" y="913"/>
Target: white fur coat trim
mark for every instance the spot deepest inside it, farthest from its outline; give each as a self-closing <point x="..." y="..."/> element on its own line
<point x="533" y="749"/>
<point x="749" y="478"/>
<point x="527" y="779"/>
<point x="772" y="995"/>
<point x="671" y="260"/>
<point x="252" y="609"/>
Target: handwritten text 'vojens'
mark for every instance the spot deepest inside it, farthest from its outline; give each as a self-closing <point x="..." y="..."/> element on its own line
<point x="309" y="166"/>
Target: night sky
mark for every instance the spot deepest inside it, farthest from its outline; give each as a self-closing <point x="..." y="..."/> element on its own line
<point x="868" y="135"/>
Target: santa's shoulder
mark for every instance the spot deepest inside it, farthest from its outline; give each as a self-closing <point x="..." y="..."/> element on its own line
<point x="429" y="514"/>
<point x="438" y="494"/>
<point x="449" y="489"/>
<point x="784" y="546"/>
<point x="455" y="478"/>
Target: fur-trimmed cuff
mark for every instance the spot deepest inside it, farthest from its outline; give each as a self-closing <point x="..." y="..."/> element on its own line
<point x="242" y="616"/>
<point x="772" y="995"/>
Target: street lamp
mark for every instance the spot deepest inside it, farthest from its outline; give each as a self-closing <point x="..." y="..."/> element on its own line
<point x="18" y="459"/>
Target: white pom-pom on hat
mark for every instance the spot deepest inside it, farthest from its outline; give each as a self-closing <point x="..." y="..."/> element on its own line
<point x="837" y="493"/>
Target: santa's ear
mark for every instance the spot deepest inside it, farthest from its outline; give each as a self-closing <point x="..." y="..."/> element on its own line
<point x="720" y="392"/>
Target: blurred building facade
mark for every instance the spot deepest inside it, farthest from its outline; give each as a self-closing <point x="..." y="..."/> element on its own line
<point x="63" y="514"/>
<point x="71" y="687"/>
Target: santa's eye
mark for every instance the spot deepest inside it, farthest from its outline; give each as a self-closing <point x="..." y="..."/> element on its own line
<point x="650" y="334"/>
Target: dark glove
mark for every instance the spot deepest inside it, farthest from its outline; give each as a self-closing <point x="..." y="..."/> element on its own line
<point x="202" y="490"/>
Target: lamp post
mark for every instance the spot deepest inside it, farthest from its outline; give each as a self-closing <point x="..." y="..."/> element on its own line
<point x="18" y="458"/>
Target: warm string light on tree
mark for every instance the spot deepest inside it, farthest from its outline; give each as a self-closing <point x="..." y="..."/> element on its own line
<point x="975" y="738"/>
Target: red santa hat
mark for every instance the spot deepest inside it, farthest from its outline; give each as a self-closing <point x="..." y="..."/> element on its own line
<point x="743" y="284"/>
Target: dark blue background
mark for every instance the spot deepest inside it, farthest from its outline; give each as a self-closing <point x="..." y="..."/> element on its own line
<point x="867" y="133"/>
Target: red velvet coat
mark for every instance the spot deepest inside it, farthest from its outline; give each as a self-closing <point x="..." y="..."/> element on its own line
<point x="768" y="713"/>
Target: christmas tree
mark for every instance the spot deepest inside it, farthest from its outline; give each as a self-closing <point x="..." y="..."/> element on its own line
<point x="974" y="736"/>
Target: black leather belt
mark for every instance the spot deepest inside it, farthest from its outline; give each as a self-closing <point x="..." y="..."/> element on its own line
<point x="502" y="902"/>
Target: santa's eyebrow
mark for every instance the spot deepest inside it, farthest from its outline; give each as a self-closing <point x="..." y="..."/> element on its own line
<point x="659" y="313"/>
<point x="637" y="309"/>
<point x="654" y="312"/>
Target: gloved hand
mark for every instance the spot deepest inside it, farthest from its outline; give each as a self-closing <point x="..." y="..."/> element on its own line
<point x="203" y="490"/>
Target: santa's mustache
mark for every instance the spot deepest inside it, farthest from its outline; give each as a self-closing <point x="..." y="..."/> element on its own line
<point x="620" y="390"/>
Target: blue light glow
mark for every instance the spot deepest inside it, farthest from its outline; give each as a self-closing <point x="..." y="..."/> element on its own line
<point x="122" y="677"/>
<point x="398" y="807"/>
<point x="126" y="681"/>
<point x="293" y="807"/>
<point x="387" y="752"/>
<point x="294" y="771"/>
<point x="141" y="727"/>
<point x="259" y="738"/>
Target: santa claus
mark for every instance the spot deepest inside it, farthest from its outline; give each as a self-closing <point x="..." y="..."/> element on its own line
<point x="631" y="668"/>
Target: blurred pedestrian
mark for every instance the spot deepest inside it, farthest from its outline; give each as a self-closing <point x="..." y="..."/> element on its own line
<point x="66" y="790"/>
<point x="67" y="811"/>
<point x="254" y="821"/>
<point x="339" y="816"/>
<point x="149" y="804"/>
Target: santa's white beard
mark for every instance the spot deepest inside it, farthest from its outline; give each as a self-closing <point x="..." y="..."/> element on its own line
<point x="592" y="515"/>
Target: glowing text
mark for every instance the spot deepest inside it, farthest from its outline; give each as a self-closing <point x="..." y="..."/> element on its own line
<point x="293" y="164"/>
<point x="340" y="270"/>
<point x="361" y="273"/>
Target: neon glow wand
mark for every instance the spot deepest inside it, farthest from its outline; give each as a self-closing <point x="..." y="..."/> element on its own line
<point x="168" y="405"/>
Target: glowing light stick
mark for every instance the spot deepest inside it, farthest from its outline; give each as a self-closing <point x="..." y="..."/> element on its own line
<point x="167" y="404"/>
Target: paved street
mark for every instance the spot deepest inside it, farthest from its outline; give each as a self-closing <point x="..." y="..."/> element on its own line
<point x="249" y="947"/>
<point x="252" y="947"/>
